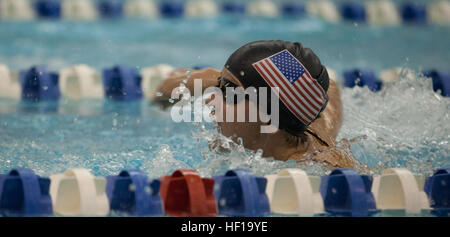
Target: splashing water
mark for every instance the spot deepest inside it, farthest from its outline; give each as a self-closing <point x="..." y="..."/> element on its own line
<point x="406" y="124"/>
<point x="164" y="163"/>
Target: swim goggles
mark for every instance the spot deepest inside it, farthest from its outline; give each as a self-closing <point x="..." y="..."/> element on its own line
<point x="223" y="83"/>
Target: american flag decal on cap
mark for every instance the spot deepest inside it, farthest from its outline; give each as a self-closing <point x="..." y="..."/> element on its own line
<point x="301" y="94"/>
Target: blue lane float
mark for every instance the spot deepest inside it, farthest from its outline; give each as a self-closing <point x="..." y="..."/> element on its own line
<point x="345" y="192"/>
<point x="39" y="84"/>
<point x="293" y="9"/>
<point x="132" y="193"/>
<point x="240" y="193"/>
<point x="357" y="77"/>
<point x="441" y="81"/>
<point x="414" y="12"/>
<point x="77" y="192"/>
<point x="122" y="83"/>
<point x="437" y="188"/>
<point x="411" y="12"/>
<point x="234" y="7"/>
<point x="172" y="9"/>
<point x="110" y="8"/>
<point x="48" y="8"/>
<point x="353" y="11"/>
<point x="23" y="193"/>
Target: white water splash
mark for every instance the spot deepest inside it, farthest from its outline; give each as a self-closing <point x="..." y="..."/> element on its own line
<point x="404" y="125"/>
<point x="163" y="164"/>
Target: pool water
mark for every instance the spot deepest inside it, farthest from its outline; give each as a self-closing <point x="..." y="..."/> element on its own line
<point x="187" y="42"/>
<point x="406" y="124"/>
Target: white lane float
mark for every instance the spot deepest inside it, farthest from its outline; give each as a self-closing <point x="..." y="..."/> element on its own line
<point x="263" y="8"/>
<point x="77" y="192"/>
<point x="16" y="9"/>
<point x="9" y="87"/>
<point x="201" y="8"/>
<point x="153" y="76"/>
<point x="399" y="189"/>
<point x="391" y="75"/>
<point x="141" y="8"/>
<point x="382" y="12"/>
<point x="324" y="9"/>
<point x="80" y="81"/>
<point x="292" y="191"/>
<point x="439" y="12"/>
<point x="79" y="9"/>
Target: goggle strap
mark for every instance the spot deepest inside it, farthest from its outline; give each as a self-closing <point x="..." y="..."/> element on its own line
<point x="320" y="140"/>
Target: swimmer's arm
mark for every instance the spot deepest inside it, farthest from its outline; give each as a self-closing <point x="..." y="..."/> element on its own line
<point x="209" y="78"/>
<point x="337" y="158"/>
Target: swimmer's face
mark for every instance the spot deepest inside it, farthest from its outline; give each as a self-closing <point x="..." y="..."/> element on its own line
<point x="248" y="131"/>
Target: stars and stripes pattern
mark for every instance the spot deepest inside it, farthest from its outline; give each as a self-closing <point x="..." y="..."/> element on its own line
<point x="301" y="94"/>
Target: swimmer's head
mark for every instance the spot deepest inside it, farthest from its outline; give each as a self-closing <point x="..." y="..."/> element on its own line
<point x="306" y="102"/>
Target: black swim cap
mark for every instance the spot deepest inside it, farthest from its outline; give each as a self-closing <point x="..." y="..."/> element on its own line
<point x="240" y="64"/>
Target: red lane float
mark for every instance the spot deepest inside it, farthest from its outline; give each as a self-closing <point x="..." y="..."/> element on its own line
<point x="185" y="193"/>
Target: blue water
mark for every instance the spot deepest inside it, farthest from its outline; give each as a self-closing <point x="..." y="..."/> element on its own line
<point x="187" y="42"/>
<point x="406" y="124"/>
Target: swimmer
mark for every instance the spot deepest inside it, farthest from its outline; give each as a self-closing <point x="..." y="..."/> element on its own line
<point x="306" y="133"/>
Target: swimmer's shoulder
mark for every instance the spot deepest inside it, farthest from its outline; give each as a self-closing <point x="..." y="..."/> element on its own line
<point x="333" y="157"/>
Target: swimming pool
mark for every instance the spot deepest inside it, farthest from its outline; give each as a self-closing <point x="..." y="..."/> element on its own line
<point x="406" y="124"/>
